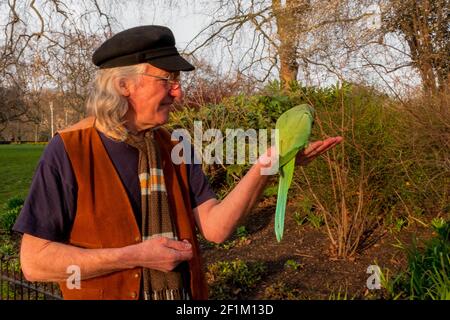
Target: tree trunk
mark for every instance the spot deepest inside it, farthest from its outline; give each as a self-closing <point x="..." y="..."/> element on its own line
<point x="425" y="27"/>
<point x="287" y="20"/>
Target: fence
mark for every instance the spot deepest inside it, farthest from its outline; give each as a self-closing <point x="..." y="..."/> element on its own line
<point x="13" y="285"/>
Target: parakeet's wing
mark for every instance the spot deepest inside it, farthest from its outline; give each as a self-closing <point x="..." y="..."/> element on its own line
<point x="294" y="128"/>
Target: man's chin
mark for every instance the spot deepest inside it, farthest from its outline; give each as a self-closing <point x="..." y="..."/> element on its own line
<point x="164" y="118"/>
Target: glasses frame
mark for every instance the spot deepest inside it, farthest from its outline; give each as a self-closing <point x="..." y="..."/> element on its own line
<point x="172" y="80"/>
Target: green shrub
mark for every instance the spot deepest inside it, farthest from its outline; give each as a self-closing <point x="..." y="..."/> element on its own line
<point x="240" y="239"/>
<point x="270" y="191"/>
<point x="300" y="218"/>
<point x="14" y="203"/>
<point x="399" y="224"/>
<point x="6" y="247"/>
<point x="230" y="280"/>
<point x="292" y="264"/>
<point x="241" y="232"/>
<point x="10" y="213"/>
<point x="393" y="161"/>
<point x="438" y="223"/>
<point x="282" y="291"/>
<point x="428" y="272"/>
<point x="316" y="220"/>
<point x="259" y="111"/>
<point x="305" y="206"/>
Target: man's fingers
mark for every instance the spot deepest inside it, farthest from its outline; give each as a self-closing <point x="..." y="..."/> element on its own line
<point x="179" y="245"/>
<point x="325" y="146"/>
<point x="317" y="148"/>
<point x="182" y="249"/>
<point x="312" y="146"/>
<point x="184" y="255"/>
<point x="335" y="142"/>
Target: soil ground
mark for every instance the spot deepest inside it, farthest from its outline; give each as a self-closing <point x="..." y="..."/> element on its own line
<point x="317" y="275"/>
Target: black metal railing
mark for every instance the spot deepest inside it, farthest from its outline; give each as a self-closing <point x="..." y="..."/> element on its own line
<point x="13" y="285"/>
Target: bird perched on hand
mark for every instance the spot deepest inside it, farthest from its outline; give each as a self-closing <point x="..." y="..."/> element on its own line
<point x="294" y="129"/>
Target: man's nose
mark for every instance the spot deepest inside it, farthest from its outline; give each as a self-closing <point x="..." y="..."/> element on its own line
<point x="177" y="94"/>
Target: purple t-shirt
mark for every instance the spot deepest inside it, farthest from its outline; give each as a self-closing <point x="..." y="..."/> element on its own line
<point x="49" y="210"/>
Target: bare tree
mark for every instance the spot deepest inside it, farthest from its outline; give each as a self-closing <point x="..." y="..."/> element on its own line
<point x="71" y="70"/>
<point x="30" y="20"/>
<point x="12" y="106"/>
<point x="402" y="43"/>
<point x="51" y="43"/>
<point x="393" y="44"/>
<point x="425" y="26"/>
<point x="275" y="34"/>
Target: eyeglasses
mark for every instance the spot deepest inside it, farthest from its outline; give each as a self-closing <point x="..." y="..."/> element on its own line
<point x="172" y="80"/>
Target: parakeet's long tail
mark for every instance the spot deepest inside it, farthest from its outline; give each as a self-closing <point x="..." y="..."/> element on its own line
<point x="286" y="173"/>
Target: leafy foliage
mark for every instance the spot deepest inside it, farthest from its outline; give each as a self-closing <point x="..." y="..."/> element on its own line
<point x="228" y="280"/>
<point x="282" y="291"/>
<point x="427" y="275"/>
<point x="390" y="165"/>
<point x="10" y="213"/>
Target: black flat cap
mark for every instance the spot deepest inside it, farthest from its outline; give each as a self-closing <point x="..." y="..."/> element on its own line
<point x="152" y="44"/>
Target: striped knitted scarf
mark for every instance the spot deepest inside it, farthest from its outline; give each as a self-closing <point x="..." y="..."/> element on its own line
<point x="156" y="219"/>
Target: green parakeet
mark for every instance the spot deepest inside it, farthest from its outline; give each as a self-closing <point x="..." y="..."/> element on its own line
<point x="294" y="128"/>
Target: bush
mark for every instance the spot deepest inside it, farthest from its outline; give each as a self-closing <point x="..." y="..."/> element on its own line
<point x="7" y="247"/>
<point x="423" y="156"/>
<point x="393" y="162"/>
<point x="428" y="272"/>
<point x="259" y="111"/>
<point x="10" y="213"/>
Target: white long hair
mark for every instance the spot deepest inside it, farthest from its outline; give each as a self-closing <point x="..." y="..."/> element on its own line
<point x="105" y="101"/>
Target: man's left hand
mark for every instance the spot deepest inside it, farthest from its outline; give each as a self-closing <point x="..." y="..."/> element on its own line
<point x="315" y="149"/>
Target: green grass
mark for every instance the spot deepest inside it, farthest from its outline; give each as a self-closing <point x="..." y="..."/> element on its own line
<point x="17" y="165"/>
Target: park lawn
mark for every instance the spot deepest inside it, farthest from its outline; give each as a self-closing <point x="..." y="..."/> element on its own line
<point x="17" y="165"/>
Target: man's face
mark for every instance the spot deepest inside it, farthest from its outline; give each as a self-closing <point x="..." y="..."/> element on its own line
<point x="150" y="99"/>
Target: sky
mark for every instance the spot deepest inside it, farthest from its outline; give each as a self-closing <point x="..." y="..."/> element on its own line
<point x="185" y="22"/>
<point x="186" y="19"/>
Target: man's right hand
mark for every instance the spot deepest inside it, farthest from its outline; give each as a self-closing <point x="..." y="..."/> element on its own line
<point x="159" y="253"/>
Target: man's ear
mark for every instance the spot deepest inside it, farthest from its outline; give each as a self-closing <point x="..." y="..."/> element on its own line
<point x="123" y="87"/>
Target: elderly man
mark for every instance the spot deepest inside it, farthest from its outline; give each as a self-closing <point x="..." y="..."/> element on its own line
<point x="106" y="197"/>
